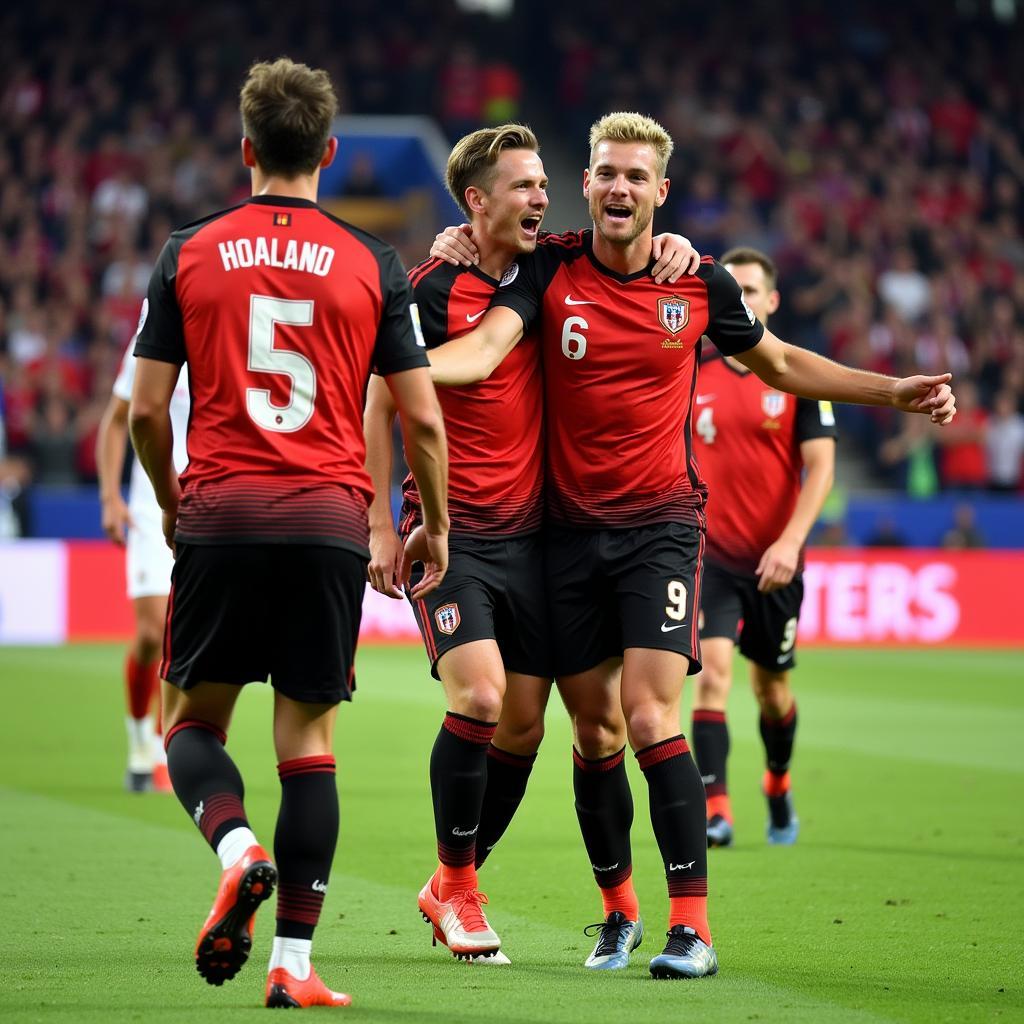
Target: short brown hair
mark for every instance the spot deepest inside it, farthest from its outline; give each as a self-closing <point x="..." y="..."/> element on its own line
<point x="744" y="255"/>
<point x="629" y="127"/>
<point x="287" y="111"/>
<point x="474" y="159"/>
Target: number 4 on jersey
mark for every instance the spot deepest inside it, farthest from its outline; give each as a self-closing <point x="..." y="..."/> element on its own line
<point x="264" y="314"/>
<point x="706" y="425"/>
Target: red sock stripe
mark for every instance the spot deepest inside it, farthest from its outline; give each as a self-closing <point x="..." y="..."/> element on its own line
<point x="676" y="746"/>
<point x="305" y="765"/>
<point x="218" y="809"/>
<point x="687" y="886"/>
<point x="609" y="880"/>
<point x="299" y="903"/>
<point x="780" y="723"/>
<point x="600" y="764"/>
<point x="469" y="729"/>
<point x="141" y="683"/>
<point x="709" y="716"/>
<point x="515" y="760"/>
<point x="456" y="857"/>
<point x="194" y="723"/>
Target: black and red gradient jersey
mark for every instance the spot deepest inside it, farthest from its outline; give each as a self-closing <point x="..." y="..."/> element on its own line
<point x="280" y="310"/>
<point x="495" y="428"/>
<point x="748" y="436"/>
<point x="620" y="364"/>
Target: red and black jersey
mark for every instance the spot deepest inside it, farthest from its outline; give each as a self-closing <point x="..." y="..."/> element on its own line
<point x="280" y="310"/>
<point x="748" y="438"/>
<point x="495" y="428"/>
<point x="620" y="364"/>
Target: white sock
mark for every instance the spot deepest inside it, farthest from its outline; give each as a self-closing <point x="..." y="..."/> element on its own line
<point x="292" y="955"/>
<point x="233" y="845"/>
<point x="140" y="757"/>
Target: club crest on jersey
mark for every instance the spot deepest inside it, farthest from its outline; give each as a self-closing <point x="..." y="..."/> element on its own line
<point x="773" y="403"/>
<point x="448" y="618"/>
<point x="673" y="313"/>
<point x="509" y="276"/>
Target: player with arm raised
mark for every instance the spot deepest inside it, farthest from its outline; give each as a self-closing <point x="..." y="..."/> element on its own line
<point x="485" y="628"/>
<point x="752" y="444"/>
<point x="280" y="311"/>
<point x="625" y="501"/>
<point x="148" y="563"/>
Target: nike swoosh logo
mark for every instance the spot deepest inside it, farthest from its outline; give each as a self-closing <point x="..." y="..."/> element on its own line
<point x="570" y="301"/>
<point x="783" y="657"/>
<point x="704" y="399"/>
<point x="666" y="628"/>
<point x="473" y="317"/>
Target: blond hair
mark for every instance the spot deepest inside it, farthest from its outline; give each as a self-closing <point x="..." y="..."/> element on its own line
<point x="474" y="160"/>
<point x="287" y="111"/>
<point x="630" y="127"/>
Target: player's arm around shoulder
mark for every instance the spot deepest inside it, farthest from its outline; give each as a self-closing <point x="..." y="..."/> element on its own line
<point x="473" y="357"/>
<point x="426" y="449"/>
<point x="800" y="372"/>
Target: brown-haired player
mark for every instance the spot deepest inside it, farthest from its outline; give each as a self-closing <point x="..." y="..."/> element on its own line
<point x="768" y="460"/>
<point x="486" y="627"/>
<point x="624" y="501"/>
<point x="280" y="311"/>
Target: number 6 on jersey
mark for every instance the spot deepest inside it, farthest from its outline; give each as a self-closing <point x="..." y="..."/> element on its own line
<point x="264" y="314"/>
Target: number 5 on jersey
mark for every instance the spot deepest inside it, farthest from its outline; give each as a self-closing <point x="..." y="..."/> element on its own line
<point x="264" y="314"/>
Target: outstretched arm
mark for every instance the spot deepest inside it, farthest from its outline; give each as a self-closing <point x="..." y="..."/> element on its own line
<point x="475" y="356"/>
<point x="809" y="375"/>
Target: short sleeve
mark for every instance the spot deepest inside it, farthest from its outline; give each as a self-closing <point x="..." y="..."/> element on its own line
<point x="522" y="290"/>
<point x="732" y="325"/>
<point x="399" y="345"/>
<point x="814" y="419"/>
<point x="161" y="334"/>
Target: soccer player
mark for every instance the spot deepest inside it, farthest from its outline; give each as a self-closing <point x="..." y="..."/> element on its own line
<point x="280" y="310"/>
<point x="624" y="500"/>
<point x="485" y="628"/>
<point x="751" y="446"/>
<point x="147" y="569"/>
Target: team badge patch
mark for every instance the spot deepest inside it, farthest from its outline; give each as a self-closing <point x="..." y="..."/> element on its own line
<point x="674" y="313"/>
<point x="448" y="618"/>
<point x="282" y="220"/>
<point x="509" y="276"/>
<point x="773" y="403"/>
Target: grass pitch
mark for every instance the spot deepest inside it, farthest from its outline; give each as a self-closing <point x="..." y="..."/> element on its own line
<point x="902" y="902"/>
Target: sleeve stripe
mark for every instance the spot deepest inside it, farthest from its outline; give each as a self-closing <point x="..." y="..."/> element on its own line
<point x="421" y="270"/>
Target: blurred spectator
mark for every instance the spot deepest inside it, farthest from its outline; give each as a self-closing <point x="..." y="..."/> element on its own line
<point x="886" y="534"/>
<point x="1004" y="444"/>
<point x="903" y="287"/>
<point x="54" y="443"/>
<point x="963" y="464"/>
<point x="963" y="533"/>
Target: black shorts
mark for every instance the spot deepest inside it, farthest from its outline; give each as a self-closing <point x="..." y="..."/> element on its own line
<point x="767" y="636"/>
<point x="493" y="590"/>
<point x="613" y="589"/>
<point x="238" y="613"/>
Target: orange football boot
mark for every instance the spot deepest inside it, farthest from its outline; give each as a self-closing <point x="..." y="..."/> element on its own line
<point x="458" y="922"/>
<point x="161" y="779"/>
<point x="226" y="937"/>
<point x="284" y="990"/>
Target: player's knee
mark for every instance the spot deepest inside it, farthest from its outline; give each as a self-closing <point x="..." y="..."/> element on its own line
<point x="711" y="690"/>
<point x="651" y="723"/>
<point x="522" y="736"/>
<point x="482" y="702"/>
<point x="599" y="736"/>
<point x="774" y="696"/>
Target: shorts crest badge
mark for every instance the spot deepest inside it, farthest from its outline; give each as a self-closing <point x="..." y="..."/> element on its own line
<point x="673" y="313"/>
<point x="448" y="618"/>
<point x="773" y="403"/>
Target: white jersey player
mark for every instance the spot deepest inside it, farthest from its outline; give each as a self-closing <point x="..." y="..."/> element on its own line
<point x="148" y="567"/>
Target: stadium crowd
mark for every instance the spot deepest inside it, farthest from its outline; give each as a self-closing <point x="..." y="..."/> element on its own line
<point x="880" y="161"/>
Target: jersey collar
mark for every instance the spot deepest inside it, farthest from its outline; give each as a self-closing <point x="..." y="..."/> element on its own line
<point x="588" y="241"/>
<point x="281" y="201"/>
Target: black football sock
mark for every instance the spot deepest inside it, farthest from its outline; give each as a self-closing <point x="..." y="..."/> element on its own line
<point x="710" y="736"/>
<point x="604" y="807"/>
<point x="507" y="776"/>
<point x="678" y="815"/>
<point x="458" y="778"/>
<point x="304" y="842"/>
<point x="778" y="735"/>
<point x="205" y="779"/>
